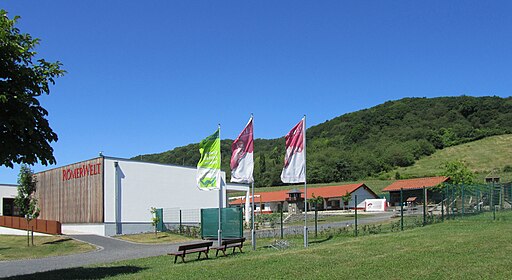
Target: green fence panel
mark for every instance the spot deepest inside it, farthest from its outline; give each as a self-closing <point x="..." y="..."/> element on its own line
<point x="160" y="214"/>
<point x="232" y="223"/>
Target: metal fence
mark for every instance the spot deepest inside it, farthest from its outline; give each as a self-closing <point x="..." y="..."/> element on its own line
<point x="454" y="201"/>
<point x="415" y="209"/>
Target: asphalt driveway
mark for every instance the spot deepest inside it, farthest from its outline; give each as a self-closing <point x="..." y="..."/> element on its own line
<point x="109" y="250"/>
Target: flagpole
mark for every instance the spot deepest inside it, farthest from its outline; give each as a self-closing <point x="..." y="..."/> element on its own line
<point x="253" y="228"/>
<point x="305" y="190"/>
<point x="219" y="232"/>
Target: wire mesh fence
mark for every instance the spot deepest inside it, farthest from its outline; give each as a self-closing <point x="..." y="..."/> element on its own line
<point x="416" y="208"/>
<point x="450" y="201"/>
<point x="183" y="221"/>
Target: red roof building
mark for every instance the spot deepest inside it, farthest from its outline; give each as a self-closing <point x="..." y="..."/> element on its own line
<point x="413" y="188"/>
<point x="269" y="201"/>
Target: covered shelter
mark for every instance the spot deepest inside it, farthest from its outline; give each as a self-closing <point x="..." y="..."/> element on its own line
<point x="413" y="189"/>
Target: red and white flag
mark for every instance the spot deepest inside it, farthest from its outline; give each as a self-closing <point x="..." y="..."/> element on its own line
<point x="294" y="170"/>
<point x="242" y="163"/>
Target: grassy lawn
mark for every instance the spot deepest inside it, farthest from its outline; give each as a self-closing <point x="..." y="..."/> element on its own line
<point x="471" y="248"/>
<point x="161" y="237"/>
<point x="15" y="247"/>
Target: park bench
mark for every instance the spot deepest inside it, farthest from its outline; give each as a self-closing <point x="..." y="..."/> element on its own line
<point x="230" y="243"/>
<point x="202" y="247"/>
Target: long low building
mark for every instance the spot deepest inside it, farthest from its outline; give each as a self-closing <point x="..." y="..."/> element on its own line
<point x="109" y="196"/>
<point x="412" y="189"/>
<point x="293" y="200"/>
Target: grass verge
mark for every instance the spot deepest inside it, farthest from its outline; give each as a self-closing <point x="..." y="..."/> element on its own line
<point x="160" y="237"/>
<point x="15" y="247"/>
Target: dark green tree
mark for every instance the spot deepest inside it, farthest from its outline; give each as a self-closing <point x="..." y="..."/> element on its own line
<point x="26" y="200"/>
<point x="25" y="133"/>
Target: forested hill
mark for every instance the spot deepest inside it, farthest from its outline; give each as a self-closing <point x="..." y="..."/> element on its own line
<point x="371" y="141"/>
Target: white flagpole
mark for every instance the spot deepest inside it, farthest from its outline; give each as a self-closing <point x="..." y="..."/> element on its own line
<point x="305" y="189"/>
<point x="219" y="232"/>
<point x="253" y="229"/>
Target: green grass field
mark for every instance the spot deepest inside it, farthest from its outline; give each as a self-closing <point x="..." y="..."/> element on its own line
<point x="471" y="248"/>
<point x="15" y="247"/>
<point x="482" y="157"/>
<point x="150" y="237"/>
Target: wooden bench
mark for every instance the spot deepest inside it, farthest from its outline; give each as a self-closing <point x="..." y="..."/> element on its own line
<point x="230" y="243"/>
<point x="201" y="247"/>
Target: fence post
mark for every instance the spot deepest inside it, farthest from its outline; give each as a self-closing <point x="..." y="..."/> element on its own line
<point x="181" y="224"/>
<point x="401" y="209"/>
<point x="462" y="194"/>
<point x="282" y="219"/>
<point x="442" y="205"/>
<point x="452" y="201"/>
<point x="491" y="201"/>
<point x="424" y="206"/>
<point x="355" y="216"/>
<point x="478" y="199"/>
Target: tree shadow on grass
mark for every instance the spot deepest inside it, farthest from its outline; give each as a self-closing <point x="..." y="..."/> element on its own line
<point x="81" y="273"/>
<point x="321" y="240"/>
<point x="57" y="241"/>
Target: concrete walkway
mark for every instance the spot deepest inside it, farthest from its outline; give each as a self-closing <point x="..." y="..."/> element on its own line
<point x="110" y="250"/>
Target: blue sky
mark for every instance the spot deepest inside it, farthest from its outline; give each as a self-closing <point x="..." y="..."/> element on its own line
<point x="148" y="76"/>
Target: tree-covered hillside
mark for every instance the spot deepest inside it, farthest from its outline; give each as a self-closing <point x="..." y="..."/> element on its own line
<point x="372" y="141"/>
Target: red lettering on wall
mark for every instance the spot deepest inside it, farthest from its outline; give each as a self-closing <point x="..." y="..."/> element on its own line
<point x="82" y="171"/>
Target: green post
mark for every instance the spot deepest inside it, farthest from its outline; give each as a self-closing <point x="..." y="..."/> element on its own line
<point x="181" y="224"/>
<point x="401" y="209"/>
<point x="316" y="220"/>
<point x="462" y="194"/>
<point x="492" y="202"/>
<point x="452" y="201"/>
<point x="241" y="219"/>
<point x="282" y="220"/>
<point x="160" y="215"/>
<point x="424" y="206"/>
<point x="478" y="199"/>
<point x="442" y="205"/>
<point x="355" y="209"/>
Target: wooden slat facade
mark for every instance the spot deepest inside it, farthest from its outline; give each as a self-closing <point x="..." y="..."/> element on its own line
<point x="72" y="193"/>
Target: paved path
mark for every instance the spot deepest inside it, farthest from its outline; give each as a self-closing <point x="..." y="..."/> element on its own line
<point x="110" y="250"/>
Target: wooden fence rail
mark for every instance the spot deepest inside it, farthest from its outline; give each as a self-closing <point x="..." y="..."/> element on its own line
<point x="38" y="225"/>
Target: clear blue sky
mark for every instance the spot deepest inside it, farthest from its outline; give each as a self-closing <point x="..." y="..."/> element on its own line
<point x="149" y="76"/>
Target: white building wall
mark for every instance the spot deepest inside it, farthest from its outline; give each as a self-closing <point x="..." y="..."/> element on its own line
<point x="8" y="191"/>
<point x="144" y="185"/>
<point x="362" y="194"/>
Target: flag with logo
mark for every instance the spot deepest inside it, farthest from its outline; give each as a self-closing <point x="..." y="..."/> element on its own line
<point x="242" y="163"/>
<point x="294" y="170"/>
<point x="208" y="167"/>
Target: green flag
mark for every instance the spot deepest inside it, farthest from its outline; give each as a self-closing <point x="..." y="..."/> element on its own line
<point x="208" y="167"/>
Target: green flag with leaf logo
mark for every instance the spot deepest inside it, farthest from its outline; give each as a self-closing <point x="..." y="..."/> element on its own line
<point x="208" y="167"/>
